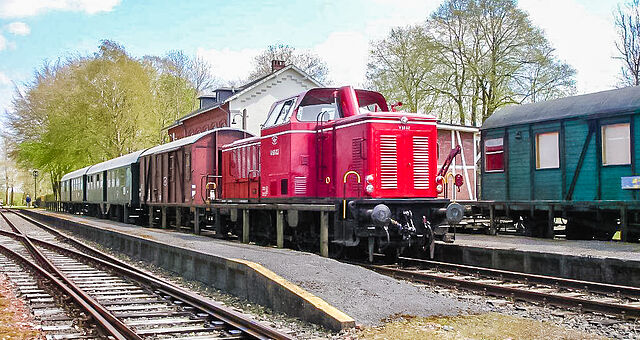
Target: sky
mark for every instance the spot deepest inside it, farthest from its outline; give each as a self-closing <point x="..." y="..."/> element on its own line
<point x="228" y="34"/>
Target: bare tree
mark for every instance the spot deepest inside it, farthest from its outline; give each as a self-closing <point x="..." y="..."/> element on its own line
<point x="628" y="26"/>
<point x="306" y="61"/>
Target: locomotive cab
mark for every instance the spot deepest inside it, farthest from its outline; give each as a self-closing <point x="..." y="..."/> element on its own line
<point x="343" y="146"/>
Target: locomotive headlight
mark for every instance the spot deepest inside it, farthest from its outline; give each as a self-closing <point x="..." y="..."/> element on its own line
<point x="369" y="184"/>
<point x="439" y="184"/>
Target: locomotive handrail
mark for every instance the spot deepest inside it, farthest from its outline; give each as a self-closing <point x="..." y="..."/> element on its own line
<point x="344" y="190"/>
<point x="203" y="188"/>
<point x="350" y="172"/>
<point x="446" y="185"/>
<point x="249" y="183"/>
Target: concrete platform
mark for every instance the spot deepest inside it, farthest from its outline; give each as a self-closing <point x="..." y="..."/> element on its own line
<point x="314" y="288"/>
<point x="601" y="261"/>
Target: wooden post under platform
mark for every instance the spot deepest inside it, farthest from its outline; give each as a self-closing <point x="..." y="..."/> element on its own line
<point x="163" y="220"/>
<point x="280" y="228"/>
<point x="551" y="223"/>
<point x="324" y="233"/>
<point x="151" y="216"/>
<point x="624" y="224"/>
<point x="196" y="221"/>
<point x="245" y="226"/>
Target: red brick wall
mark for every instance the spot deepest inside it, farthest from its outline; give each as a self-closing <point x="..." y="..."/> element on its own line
<point x="204" y="121"/>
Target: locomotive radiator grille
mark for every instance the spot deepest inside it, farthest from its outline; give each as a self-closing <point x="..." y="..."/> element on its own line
<point x="420" y="162"/>
<point x="388" y="162"/>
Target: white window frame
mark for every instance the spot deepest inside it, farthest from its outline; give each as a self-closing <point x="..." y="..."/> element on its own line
<point x="492" y="153"/>
<point x="557" y="163"/>
<point x="603" y="141"/>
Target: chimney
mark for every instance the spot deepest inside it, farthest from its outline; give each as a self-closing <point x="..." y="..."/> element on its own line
<point x="277" y="65"/>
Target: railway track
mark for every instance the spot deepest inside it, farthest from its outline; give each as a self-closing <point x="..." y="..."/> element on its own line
<point x="614" y="300"/>
<point x="124" y="302"/>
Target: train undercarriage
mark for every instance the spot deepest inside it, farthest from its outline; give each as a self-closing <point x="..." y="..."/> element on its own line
<point x="360" y="228"/>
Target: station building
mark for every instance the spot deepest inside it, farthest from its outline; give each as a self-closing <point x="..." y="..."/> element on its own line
<point x="246" y="106"/>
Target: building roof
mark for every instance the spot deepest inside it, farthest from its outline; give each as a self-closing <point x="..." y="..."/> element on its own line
<point x="457" y="127"/>
<point x="176" y="144"/>
<point x="115" y="163"/>
<point x="607" y="103"/>
<point x="76" y="173"/>
<point x="240" y="90"/>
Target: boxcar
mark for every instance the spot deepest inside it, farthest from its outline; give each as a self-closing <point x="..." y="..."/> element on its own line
<point x="177" y="173"/>
<point x="573" y="157"/>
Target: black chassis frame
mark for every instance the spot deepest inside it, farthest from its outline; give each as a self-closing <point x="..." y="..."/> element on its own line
<point x="352" y="225"/>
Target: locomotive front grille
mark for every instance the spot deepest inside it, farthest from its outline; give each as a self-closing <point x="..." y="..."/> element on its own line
<point x="388" y="162"/>
<point x="420" y="162"/>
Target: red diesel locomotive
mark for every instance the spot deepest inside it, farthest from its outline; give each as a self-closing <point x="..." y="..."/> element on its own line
<point x="341" y="148"/>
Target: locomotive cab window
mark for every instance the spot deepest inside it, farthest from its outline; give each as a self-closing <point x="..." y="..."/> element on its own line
<point x="280" y="113"/>
<point x="616" y="146"/>
<point x="494" y="155"/>
<point x="547" y="151"/>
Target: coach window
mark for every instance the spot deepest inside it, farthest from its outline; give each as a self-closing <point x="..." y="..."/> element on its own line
<point x="494" y="155"/>
<point x="547" y="151"/>
<point x="616" y="148"/>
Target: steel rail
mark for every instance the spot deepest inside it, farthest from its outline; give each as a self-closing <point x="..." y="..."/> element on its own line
<point x="103" y="311"/>
<point x="596" y="287"/>
<point x="235" y="319"/>
<point x="103" y="323"/>
<point x="506" y="291"/>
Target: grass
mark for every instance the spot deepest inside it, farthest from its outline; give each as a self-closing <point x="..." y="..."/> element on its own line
<point x="480" y="326"/>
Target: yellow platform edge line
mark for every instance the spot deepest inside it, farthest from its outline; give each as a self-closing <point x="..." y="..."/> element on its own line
<point x="295" y="289"/>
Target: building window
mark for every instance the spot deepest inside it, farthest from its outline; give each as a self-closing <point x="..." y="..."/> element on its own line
<point x="547" y="151"/>
<point x="616" y="148"/>
<point x="494" y="155"/>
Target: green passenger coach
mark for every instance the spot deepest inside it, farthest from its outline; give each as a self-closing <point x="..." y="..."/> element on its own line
<point x="573" y="157"/>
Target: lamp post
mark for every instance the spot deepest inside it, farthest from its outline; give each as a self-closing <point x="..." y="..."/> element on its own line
<point x="35" y="185"/>
<point x="244" y="117"/>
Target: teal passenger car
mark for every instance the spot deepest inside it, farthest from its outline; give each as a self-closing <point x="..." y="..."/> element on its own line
<point x="573" y="157"/>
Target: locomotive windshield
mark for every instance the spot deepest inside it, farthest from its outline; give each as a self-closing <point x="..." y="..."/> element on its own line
<point x="318" y="112"/>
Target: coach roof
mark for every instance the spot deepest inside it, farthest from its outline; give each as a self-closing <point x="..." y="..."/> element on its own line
<point x="605" y="103"/>
<point x="75" y="174"/>
<point x="115" y="163"/>
<point x="173" y="145"/>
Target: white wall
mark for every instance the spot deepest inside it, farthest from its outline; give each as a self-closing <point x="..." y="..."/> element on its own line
<point x="259" y="99"/>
